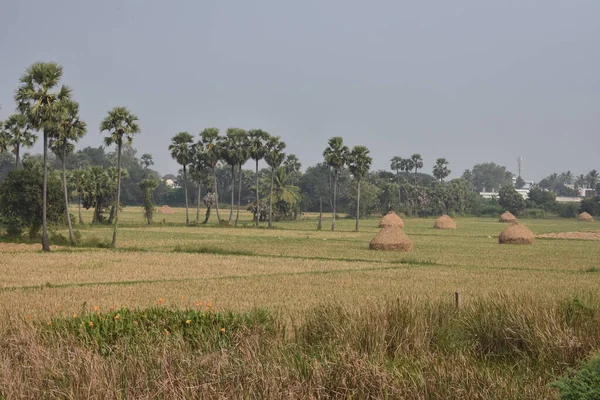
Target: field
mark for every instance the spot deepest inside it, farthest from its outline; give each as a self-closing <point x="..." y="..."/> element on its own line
<point x="294" y="273"/>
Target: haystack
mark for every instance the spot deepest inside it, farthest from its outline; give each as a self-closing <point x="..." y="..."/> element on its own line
<point x="507" y="217"/>
<point x="391" y="220"/>
<point x="585" y="217"/>
<point x="391" y="238"/>
<point x="444" y="222"/>
<point x="516" y="234"/>
<point x="166" y="210"/>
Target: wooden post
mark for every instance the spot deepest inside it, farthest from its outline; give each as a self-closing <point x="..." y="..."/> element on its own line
<point x="456" y="299"/>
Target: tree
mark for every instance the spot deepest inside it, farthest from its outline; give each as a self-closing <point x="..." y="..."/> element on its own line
<point x="592" y="178"/>
<point x="519" y="183"/>
<point x="274" y="156"/>
<point x="407" y="165"/>
<point x="397" y="165"/>
<point x="292" y="165"/>
<point x="335" y="156"/>
<point x="489" y="177"/>
<point x="417" y="162"/>
<point x="18" y="135"/>
<point x="36" y="100"/>
<point x="285" y="197"/>
<point x="199" y="172"/>
<point x="79" y="182"/>
<point x="121" y="125"/>
<point x="148" y="186"/>
<point x="257" y="140"/>
<point x="234" y="153"/>
<point x="359" y="163"/>
<point x="181" y="149"/>
<point x="69" y="129"/>
<point x="567" y="178"/>
<point x="511" y="200"/>
<point x="147" y="160"/>
<point x="243" y="155"/>
<point x="581" y="181"/>
<point x="212" y="154"/>
<point x="440" y="169"/>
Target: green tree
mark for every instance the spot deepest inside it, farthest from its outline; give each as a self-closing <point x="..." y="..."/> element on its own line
<point x="18" y="135"/>
<point x="121" y="125"/>
<point x="489" y="177"/>
<point x="417" y="163"/>
<point x="335" y="156"/>
<point x="519" y="183"/>
<point x="79" y="182"/>
<point x="148" y="186"/>
<point x="274" y="156"/>
<point x="285" y="196"/>
<point x="181" y="149"/>
<point x="41" y="105"/>
<point x="511" y="200"/>
<point x="440" y="169"/>
<point x="592" y="178"/>
<point x="359" y="163"/>
<point x="234" y="154"/>
<point x="397" y="165"/>
<point x="242" y="156"/>
<point x="292" y="165"/>
<point x="147" y="160"/>
<point x="257" y="148"/>
<point x="212" y="153"/>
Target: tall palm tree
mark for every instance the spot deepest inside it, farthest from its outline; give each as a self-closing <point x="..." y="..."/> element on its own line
<point x="79" y="182"/>
<point x="257" y="140"/>
<point x="69" y="129"/>
<point x="592" y="178"/>
<point x="581" y="181"/>
<point x="440" y="169"/>
<point x="335" y="156"/>
<point x="359" y="163"/>
<point x="121" y="125"/>
<point x="292" y="165"/>
<point x="417" y="163"/>
<point x="396" y="165"/>
<point x="212" y="153"/>
<point x="147" y="160"/>
<point x="199" y="171"/>
<point x="233" y="150"/>
<point x="567" y="177"/>
<point x="243" y="155"/>
<point x="181" y="149"/>
<point x="18" y="135"/>
<point x="36" y="100"/>
<point x="274" y="156"/>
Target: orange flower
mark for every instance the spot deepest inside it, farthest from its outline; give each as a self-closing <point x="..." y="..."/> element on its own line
<point x="188" y="321"/>
<point x="96" y="308"/>
<point x="91" y="324"/>
<point x="117" y="316"/>
<point x="160" y="301"/>
<point x="222" y="330"/>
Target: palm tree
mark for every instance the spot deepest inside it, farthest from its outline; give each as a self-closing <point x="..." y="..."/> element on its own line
<point x="335" y="157"/>
<point x="396" y="165"/>
<point x="69" y="129"/>
<point x="359" y="163"/>
<point x="243" y="155"/>
<point x="147" y="160"/>
<point x="79" y="182"/>
<point x="592" y="178"/>
<point x="274" y="156"/>
<point x="199" y="173"/>
<point x="257" y="139"/>
<point x="233" y="152"/>
<point x="417" y="163"/>
<point x="212" y="153"/>
<point x="4" y="138"/>
<point x="148" y="185"/>
<point x="18" y="135"/>
<point x="292" y="165"/>
<point x="440" y="169"/>
<point x="567" y="178"/>
<point x="36" y="100"/>
<point x="581" y="181"/>
<point x="181" y="149"/>
<point x="121" y="124"/>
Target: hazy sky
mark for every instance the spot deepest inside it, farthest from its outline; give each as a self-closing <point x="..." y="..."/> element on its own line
<point x="469" y="80"/>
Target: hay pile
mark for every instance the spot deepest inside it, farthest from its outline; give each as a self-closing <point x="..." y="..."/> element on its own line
<point x="585" y="217"/>
<point x="391" y="238"/>
<point x="166" y="210"/>
<point x="444" y="222"/>
<point x="391" y="220"/>
<point x="516" y="234"/>
<point x="507" y="217"/>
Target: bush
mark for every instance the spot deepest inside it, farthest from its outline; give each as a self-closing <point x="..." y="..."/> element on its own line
<point x="533" y="213"/>
<point x="583" y="383"/>
<point x="511" y="200"/>
<point x="568" y="210"/>
<point x="591" y="206"/>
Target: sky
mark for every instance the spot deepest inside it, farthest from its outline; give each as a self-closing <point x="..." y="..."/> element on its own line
<point x="468" y="80"/>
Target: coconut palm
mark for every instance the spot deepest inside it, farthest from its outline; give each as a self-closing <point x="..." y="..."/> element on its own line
<point x="567" y="178"/>
<point x="274" y="156"/>
<point x="18" y="135"/>
<point x="440" y="169"/>
<point x="121" y="124"/>
<point x="335" y="157"/>
<point x="581" y="181"/>
<point x="37" y="100"/>
<point x="592" y="178"/>
<point x="181" y="149"/>
<point x="292" y="165"/>
<point x="212" y="153"/>
<point x="359" y="163"/>
<point x="79" y="182"/>
<point x="417" y="163"/>
<point x="257" y="139"/>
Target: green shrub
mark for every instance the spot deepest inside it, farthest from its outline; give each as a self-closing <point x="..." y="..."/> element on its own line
<point x="533" y="213"/>
<point x="582" y="384"/>
<point x="568" y="210"/>
<point x="591" y="206"/>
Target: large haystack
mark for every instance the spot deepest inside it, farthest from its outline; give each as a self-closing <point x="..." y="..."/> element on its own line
<point x="391" y="220"/>
<point x="444" y="222"/>
<point x="166" y="210"/>
<point x="516" y="234"/>
<point x="507" y="217"/>
<point x="585" y="217"/>
<point x="391" y="238"/>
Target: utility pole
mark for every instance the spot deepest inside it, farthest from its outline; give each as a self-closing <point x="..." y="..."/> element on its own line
<point x="519" y="163"/>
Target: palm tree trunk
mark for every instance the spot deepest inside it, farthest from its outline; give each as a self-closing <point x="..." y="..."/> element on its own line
<point x="271" y="199"/>
<point x="198" y="203"/>
<point x="320" y="223"/>
<point x="114" y="238"/>
<point x="187" y="217"/>
<point x="216" y="195"/>
<point x="357" y="204"/>
<point x="334" y="199"/>
<point x="80" y="215"/>
<point x="207" y="215"/>
<point x="232" y="193"/>
<point x="17" y="151"/>
<point x="45" y="242"/>
<point x="64" y="176"/>
<point x="399" y="190"/>
<point x="237" y="216"/>
<point x="257" y="197"/>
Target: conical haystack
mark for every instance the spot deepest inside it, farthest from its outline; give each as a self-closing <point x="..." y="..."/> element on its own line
<point x="585" y="217"/>
<point x="507" y="217"/>
<point x="391" y="220"/>
<point x="166" y="210"/>
<point x="516" y="234"/>
<point x="444" y="222"/>
<point x="391" y="238"/>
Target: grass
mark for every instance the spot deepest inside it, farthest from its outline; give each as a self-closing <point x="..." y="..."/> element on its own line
<point x="308" y="313"/>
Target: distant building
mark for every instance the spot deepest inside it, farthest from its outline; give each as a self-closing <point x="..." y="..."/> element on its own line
<point x="170" y="183"/>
